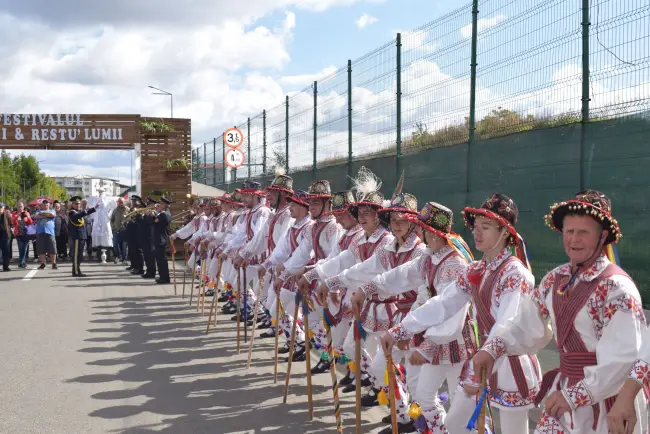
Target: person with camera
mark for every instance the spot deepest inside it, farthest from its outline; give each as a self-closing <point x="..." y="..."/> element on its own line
<point x="21" y="220"/>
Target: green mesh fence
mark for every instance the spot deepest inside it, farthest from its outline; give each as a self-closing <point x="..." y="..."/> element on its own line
<point x="542" y="99"/>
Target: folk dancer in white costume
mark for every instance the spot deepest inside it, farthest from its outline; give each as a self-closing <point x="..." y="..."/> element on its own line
<point x="384" y="251"/>
<point x="277" y="193"/>
<point x="431" y="358"/>
<point x="318" y="243"/>
<point x="299" y="210"/>
<point x="253" y="223"/>
<point x="493" y="283"/>
<point x="340" y="258"/>
<point x="187" y="231"/>
<point x="592" y="309"/>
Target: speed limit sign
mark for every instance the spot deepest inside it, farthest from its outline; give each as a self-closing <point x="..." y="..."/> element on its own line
<point x="234" y="158"/>
<point x="233" y="137"/>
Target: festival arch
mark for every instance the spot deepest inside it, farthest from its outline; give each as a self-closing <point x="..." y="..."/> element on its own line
<point x="163" y="145"/>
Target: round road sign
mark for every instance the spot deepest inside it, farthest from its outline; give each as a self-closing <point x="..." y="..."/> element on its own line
<point x="233" y="137"/>
<point x="234" y="158"/>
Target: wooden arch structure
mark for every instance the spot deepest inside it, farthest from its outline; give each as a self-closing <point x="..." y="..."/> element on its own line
<point x="157" y="140"/>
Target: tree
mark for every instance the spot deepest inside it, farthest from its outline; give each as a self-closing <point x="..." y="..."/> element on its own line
<point x="278" y="160"/>
<point x="21" y="178"/>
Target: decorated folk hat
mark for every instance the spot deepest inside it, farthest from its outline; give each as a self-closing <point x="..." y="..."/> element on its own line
<point x="214" y="202"/>
<point x="252" y="187"/>
<point x="341" y="200"/>
<point x="300" y="197"/>
<point x="320" y="189"/>
<point x="591" y="203"/>
<point x="236" y="198"/>
<point x="434" y="218"/>
<point x="404" y="203"/>
<point x="282" y="183"/>
<point x="497" y="207"/>
<point x="373" y="199"/>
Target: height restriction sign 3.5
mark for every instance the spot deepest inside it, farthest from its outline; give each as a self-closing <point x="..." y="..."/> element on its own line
<point x="233" y="137"/>
<point x="234" y="158"/>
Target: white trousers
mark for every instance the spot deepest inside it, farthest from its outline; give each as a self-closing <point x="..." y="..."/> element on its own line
<point x="424" y="383"/>
<point x="512" y="421"/>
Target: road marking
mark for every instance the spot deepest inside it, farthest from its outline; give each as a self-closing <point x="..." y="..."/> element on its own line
<point x="30" y="274"/>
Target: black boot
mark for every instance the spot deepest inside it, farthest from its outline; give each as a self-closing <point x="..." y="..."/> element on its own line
<point x="348" y="379"/>
<point x="321" y="367"/>
<point x="370" y="400"/>
<point x="402" y="428"/>
<point x="268" y="334"/>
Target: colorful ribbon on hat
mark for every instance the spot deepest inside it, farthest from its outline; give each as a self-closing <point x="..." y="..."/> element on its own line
<point x="521" y="252"/>
<point x="612" y="254"/>
<point x="457" y="243"/>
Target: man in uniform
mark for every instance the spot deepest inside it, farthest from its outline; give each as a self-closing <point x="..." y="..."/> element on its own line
<point x="78" y="233"/>
<point x="160" y="237"/>
<point x="146" y="222"/>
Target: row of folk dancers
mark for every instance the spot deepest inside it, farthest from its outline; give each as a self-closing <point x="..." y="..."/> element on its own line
<point x="390" y="291"/>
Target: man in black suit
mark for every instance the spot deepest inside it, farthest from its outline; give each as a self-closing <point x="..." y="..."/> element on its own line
<point x="161" y="228"/>
<point x="78" y="233"/>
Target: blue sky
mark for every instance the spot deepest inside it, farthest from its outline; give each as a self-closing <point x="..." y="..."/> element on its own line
<point x="223" y="68"/>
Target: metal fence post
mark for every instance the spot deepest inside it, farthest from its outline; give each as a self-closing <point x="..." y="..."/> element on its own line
<point x="398" y="140"/>
<point x="472" y="98"/>
<point x="214" y="162"/>
<point x="223" y="163"/>
<point x="264" y="142"/>
<point x="315" y="125"/>
<point x="205" y="169"/>
<point x="349" y="123"/>
<point x="585" y="86"/>
<point x="286" y="135"/>
<point x="248" y="134"/>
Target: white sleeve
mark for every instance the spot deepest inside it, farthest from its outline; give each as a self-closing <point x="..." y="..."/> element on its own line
<point x="186" y="231"/>
<point x="641" y="369"/>
<point x="398" y="280"/>
<point x="334" y="265"/>
<point x="258" y="244"/>
<point x="281" y="252"/>
<point x="357" y="275"/>
<point x="450" y="299"/>
<point x="525" y="326"/>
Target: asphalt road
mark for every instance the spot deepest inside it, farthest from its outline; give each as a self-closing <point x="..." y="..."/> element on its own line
<point x="113" y="353"/>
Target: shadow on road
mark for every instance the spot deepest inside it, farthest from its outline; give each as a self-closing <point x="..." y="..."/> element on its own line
<point x="166" y="365"/>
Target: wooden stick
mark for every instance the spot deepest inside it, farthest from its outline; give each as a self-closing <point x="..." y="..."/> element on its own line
<point x="200" y="295"/>
<point x="335" y="382"/>
<point x="357" y="362"/>
<point x="215" y="300"/>
<point x="278" y="302"/>
<point x="184" y="272"/>
<point x="257" y="305"/>
<point x="305" y="314"/>
<point x="246" y="307"/>
<point x="238" y="306"/>
<point x="391" y="391"/>
<point x="481" y="416"/>
<point x="171" y="246"/>
<point x="292" y="343"/>
<point x="193" y="275"/>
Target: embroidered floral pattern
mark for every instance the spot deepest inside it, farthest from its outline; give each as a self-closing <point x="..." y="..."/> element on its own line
<point x="399" y="333"/>
<point x="311" y="275"/>
<point x="578" y="395"/>
<point x="334" y="284"/>
<point x="370" y="289"/>
<point x="496" y="347"/>
<point x="548" y="425"/>
<point x="641" y="372"/>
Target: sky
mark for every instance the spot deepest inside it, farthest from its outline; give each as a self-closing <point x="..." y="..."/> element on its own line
<point x="225" y="61"/>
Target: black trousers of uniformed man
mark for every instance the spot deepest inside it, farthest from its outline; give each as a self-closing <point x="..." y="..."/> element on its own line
<point x="161" y="261"/>
<point x="149" y="257"/>
<point x="135" y="254"/>
<point x="77" y="256"/>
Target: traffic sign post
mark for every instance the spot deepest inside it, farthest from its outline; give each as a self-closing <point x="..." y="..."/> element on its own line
<point x="233" y="137"/>
<point x="234" y="158"/>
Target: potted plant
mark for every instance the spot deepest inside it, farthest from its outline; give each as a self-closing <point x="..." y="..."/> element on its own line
<point x="153" y="127"/>
<point x="178" y="165"/>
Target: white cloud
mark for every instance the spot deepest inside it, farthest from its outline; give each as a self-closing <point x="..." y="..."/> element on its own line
<point x="306" y="79"/>
<point x="364" y="21"/>
<point x="481" y="25"/>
